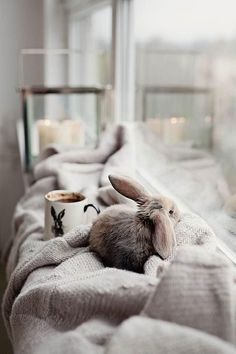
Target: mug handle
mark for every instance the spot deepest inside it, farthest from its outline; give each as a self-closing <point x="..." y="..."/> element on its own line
<point x="93" y="206"/>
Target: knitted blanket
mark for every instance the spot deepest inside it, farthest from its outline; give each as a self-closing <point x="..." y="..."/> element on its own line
<point x="61" y="299"/>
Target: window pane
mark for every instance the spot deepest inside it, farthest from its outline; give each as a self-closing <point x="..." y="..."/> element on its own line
<point x="91" y="35"/>
<point x="186" y="68"/>
<point x="186" y="94"/>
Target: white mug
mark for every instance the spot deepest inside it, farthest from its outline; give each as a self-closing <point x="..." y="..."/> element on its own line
<point x="65" y="210"/>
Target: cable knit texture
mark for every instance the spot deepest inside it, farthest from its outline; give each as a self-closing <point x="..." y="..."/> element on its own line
<point x="61" y="299"/>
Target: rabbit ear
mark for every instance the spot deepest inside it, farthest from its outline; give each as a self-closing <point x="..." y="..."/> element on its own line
<point x="128" y="187"/>
<point x="53" y="213"/>
<point x="163" y="239"/>
<point x="61" y="214"/>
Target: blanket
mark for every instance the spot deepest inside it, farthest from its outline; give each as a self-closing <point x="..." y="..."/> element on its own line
<point x="61" y="299"/>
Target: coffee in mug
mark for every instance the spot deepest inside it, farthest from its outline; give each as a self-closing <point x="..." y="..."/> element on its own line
<point x="65" y="210"/>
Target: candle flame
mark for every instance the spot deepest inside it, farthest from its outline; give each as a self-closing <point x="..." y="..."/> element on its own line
<point x="173" y="120"/>
<point x="47" y="122"/>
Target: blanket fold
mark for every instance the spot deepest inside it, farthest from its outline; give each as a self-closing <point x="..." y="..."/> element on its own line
<point x="196" y="292"/>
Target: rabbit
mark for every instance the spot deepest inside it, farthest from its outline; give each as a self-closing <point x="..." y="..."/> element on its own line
<point x="125" y="237"/>
<point x="57" y="228"/>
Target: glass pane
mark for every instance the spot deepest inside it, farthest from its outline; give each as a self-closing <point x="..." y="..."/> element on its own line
<point x="185" y="99"/>
<point x="91" y="36"/>
<point x="54" y="119"/>
<point x="189" y="48"/>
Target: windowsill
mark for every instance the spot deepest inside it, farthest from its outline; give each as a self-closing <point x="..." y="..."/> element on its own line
<point x="196" y="185"/>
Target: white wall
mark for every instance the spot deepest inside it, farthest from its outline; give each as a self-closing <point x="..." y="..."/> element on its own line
<point x="21" y="26"/>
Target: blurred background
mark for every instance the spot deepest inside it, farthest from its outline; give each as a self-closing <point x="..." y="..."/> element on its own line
<point x="169" y="64"/>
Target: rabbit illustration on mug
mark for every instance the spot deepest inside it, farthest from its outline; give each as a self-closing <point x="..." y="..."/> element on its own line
<point x="125" y="237"/>
<point x="57" y="228"/>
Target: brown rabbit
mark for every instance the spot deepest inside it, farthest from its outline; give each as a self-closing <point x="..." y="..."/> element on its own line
<point x="125" y="237"/>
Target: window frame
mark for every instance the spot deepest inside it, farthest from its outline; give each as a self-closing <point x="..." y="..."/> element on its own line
<point x="123" y="49"/>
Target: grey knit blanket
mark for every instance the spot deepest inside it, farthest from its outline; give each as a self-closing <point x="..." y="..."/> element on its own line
<point x="61" y="299"/>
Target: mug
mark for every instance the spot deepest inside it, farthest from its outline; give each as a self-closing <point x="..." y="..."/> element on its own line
<point x="65" y="210"/>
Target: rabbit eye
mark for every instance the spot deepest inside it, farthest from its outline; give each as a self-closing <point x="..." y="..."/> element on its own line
<point x="171" y="212"/>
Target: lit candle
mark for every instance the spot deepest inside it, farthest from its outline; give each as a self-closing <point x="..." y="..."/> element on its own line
<point x="173" y="130"/>
<point x="48" y="132"/>
<point x="66" y="132"/>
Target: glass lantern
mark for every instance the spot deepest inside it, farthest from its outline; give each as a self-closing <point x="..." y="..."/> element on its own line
<point x="62" y="115"/>
<point x="61" y="104"/>
<point x="180" y="114"/>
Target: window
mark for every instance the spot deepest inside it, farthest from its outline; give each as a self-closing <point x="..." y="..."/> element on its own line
<point x="90" y="38"/>
<point x="186" y="73"/>
<point x="90" y="35"/>
<point x="172" y="67"/>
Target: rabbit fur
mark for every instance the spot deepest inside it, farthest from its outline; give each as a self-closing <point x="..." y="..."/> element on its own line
<point x="125" y="237"/>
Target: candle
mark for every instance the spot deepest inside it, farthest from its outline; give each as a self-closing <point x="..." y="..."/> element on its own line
<point x="47" y="132"/>
<point x="74" y="130"/>
<point x="34" y="140"/>
<point x="66" y="132"/>
<point x="173" y="130"/>
<point x="155" y="124"/>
